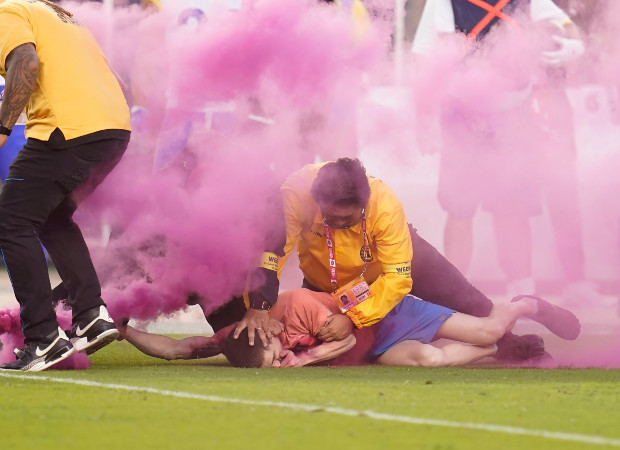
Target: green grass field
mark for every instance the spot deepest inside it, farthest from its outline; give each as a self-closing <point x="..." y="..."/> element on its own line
<point x="128" y="400"/>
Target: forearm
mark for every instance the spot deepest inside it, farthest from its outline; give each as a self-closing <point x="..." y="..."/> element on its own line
<point x="22" y="70"/>
<point x="167" y="348"/>
<point x="151" y="344"/>
<point x="327" y="350"/>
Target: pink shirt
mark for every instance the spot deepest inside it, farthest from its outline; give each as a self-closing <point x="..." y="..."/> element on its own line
<point x="303" y="313"/>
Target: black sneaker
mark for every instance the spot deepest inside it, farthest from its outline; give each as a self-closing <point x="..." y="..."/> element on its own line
<point x="37" y="356"/>
<point x="93" y="332"/>
<point x="558" y="320"/>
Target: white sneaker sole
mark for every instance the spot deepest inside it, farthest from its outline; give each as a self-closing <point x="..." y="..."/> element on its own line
<point x="105" y="338"/>
<point x="42" y="365"/>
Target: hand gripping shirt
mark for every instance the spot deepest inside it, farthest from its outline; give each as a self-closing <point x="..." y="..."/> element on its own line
<point x="75" y="90"/>
<point x="389" y="263"/>
<point x="302" y="312"/>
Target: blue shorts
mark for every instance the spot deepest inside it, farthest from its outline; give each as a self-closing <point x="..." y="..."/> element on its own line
<point x="412" y="319"/>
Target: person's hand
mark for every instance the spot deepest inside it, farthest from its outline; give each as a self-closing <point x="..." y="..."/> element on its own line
<point x="290" y="359"/>
<point x="569" y="50"/>
<point x="121" y="326"/>
<point x="336" y="328"/>
<point x="3" y="139"/>
<point x="257" y="321"/>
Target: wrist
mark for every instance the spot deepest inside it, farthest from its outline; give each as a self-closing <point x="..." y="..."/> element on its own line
<point x="260" y="304"/>
<point x="123" y="329"/>
<point x="304" y="358"/>
<point x="4" y="130"/>
<point x="356" y="322"/>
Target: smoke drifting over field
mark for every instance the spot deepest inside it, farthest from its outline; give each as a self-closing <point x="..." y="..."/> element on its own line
<point x="228" y="103"/>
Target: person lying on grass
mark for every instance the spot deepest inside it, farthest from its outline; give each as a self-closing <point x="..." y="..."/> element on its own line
<point x="303" y="313"/>
<point x="403" y="338"/>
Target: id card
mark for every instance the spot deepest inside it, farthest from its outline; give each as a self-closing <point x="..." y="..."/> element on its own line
<point x="352" y="294"/>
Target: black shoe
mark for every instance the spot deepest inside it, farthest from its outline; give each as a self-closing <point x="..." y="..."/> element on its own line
<point x="94" y="331"/>
<point x="513" y="348"/>
<point x="37" y="356"/>
<point x="558" y="320"/>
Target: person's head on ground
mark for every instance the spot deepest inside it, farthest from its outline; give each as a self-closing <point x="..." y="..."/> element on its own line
<point x="342" y="191"/>
<point x="241" y="354"/>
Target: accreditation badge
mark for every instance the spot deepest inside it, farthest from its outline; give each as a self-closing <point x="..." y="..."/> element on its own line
<point x="352" y="294"/>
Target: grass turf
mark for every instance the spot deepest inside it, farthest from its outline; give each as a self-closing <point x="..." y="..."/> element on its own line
<point x="47" y="414"/>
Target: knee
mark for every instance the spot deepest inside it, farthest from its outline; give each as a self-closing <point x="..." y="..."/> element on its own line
<point x="53" y="224"/>
<point x="60" y="219"/>
<point x="431" y="357"/>
<point x="14" y="225"/>
<point x="492" y="331"/>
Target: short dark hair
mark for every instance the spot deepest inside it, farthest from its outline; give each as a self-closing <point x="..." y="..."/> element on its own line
<point x="342" y="182"/>
<point x="241" y="354"/>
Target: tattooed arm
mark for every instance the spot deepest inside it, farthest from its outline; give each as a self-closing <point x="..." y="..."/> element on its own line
<point x="22" y="69"/>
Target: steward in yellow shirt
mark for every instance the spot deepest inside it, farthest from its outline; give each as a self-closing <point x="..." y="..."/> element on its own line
<point x="75" y="91"/>
<point x="388" y="261"/>
<point x="346" y="224"/>
<point x="78" y="130"/>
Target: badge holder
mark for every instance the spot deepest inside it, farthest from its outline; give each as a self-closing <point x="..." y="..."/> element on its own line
<point x="352" y="294"/>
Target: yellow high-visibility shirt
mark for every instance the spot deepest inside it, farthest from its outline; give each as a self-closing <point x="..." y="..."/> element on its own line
<point x="75" y="90"/>
<point x="389" y="270"/>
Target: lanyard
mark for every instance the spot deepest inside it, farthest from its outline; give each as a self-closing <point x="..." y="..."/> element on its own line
<point x="332" y="254"/>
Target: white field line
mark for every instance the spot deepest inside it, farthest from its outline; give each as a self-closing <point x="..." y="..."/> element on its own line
<point x="333" y="410"/>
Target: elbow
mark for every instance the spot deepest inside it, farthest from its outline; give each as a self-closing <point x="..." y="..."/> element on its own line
<point x="168" y="356"/>
<point x="174" y="353"/>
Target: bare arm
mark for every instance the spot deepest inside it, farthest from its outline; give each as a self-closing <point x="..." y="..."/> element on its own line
<point x="167" y="348"/>
<point x="322" y="352"/>
<point x="22" y="70"/>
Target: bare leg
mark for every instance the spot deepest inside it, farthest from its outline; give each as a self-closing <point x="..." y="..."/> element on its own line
<point x="414" y="353"/>
<point x="459" y="241"/>
<point x="506" y="311"/>
<point x="484" y="330"/>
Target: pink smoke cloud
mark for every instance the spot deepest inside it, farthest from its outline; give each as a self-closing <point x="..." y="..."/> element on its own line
<point x="177" y="231"/>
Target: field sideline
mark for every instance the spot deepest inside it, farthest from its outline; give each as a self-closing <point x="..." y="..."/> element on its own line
<point x="129" y="400"/>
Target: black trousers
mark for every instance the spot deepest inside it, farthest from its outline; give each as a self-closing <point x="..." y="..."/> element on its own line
<point x="42" y="191"/>
<point x="437" y="280"/>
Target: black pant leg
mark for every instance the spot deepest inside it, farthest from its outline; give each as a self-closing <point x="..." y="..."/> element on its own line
<point x="27" y="198"/>
<point x="62" y="237"/>
<point x="438" y="281"/>
<point x="67" y="249"/>
<point x="40" y="180"/>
